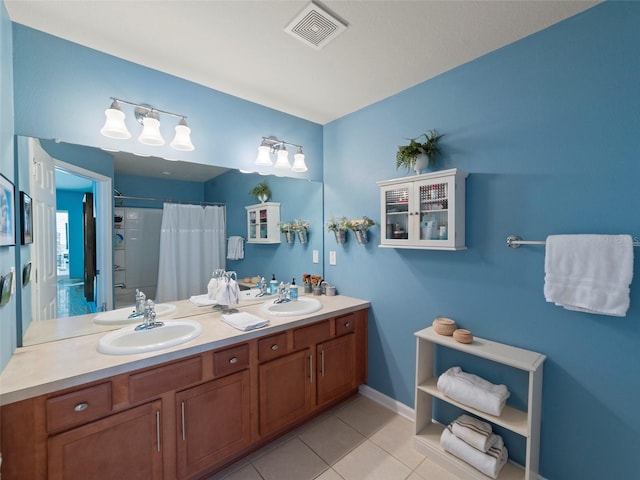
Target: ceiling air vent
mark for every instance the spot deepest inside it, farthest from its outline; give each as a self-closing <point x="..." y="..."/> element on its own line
<point x="315" y="26"/>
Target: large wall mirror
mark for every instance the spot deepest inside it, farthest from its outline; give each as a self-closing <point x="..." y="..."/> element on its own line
<point x="131" y="234"/>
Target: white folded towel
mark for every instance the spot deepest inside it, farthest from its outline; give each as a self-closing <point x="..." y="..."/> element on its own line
<point x="473" y="391"/>
<point x="244" y="321"/>
<point x="475" y="432"/>
<point x="589" y="273"/>
<point x="202" y="300"/>
<point x="235" y="248"/>
<point x="489" y="463"/>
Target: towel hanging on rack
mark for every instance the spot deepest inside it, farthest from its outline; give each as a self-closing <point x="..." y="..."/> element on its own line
<point x="589" y="273"/>
<point x="235" y="248"/>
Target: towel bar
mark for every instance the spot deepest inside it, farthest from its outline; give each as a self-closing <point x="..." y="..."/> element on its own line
<point x="514" y="241"/>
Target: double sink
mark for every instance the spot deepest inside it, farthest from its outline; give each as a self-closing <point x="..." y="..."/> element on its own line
<point x="128" y="340"/>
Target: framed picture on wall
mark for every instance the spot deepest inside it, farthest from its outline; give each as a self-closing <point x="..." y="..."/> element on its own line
<point x="7" y="212"/>
<point x="26" y="215"/>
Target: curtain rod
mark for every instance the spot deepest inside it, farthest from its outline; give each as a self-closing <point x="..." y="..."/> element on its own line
<point x="167" y="200"/>
<point x="514" y="241"/>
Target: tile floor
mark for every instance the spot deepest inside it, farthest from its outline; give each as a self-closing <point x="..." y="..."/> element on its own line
<point x="356" y="440"/>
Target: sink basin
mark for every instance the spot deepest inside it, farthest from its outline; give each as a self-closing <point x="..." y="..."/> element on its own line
<point x="127" y="340"/>
<point x="252" y="295"/>
<point x="120" y="316"/>
<point x="303" y="306"/>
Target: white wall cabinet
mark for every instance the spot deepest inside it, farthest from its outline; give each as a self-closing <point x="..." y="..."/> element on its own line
<point x="263" y="223"/>
<point x="524" y="423"/>
<point x="424" y="211"/>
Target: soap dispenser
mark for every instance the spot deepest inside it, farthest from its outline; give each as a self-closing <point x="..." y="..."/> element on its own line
<point x="293" y="290"/>
<point x="273" y="284"/>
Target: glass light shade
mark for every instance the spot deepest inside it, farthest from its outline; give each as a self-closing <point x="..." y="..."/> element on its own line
<point x="263" y="156"/>
<point x="182" y="140"/>
<point x="151" y="132"/>
<point x="298" y="162"/>
<point x="114" y="126"/>
<point x="282" y="160"/>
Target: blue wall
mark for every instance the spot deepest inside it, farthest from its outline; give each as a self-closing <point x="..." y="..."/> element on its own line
<point x="71" y="201"/>
<point x="548" y="128"/>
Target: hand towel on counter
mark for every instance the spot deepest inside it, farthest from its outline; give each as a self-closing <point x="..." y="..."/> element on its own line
<point x="475" y="432"/>
<point x="489" y="463"/>
<point x="473" y="391"/>
<point x="589" y="273"/>
<point x="202" y="300"/>
<point x="235" y="248"/>
<point x="244" y="321"/>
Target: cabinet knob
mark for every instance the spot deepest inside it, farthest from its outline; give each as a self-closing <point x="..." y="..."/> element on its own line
<point x="81" y="407"/>
<point x="233" y="360"/>
<point x="274" y="347"/>
<point x="347" y="324"/>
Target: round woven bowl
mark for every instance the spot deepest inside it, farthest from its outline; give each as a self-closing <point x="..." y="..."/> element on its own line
<point x="444" y="326"/>
<point x="463" y="336"/>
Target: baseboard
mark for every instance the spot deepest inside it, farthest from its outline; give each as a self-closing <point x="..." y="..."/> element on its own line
<point x="400" y="408"/>
<point x="393" y="405"/>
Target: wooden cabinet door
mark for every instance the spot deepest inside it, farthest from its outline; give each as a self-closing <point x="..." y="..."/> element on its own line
<point x="336" y="370"/>
<point x="213" y="422"/>
<point x="124" y="445"/>
<point x="285" y="390"/>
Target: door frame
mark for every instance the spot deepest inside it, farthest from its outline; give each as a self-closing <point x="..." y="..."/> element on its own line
<point x="104" y="230"/>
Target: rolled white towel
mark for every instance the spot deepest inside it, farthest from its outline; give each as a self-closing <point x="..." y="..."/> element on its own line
<point x="202" y="300"/>
<point x="212" y="288"/>
<point x="473" y="391"/>
<point x="244" y="321"/>
<point x="489" y="463"/>
<point x="475" y="432"/>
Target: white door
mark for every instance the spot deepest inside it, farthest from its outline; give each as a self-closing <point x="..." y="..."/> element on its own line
<point x="43" y="193"/>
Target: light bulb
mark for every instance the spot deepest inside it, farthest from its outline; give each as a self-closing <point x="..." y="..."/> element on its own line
<point x="151" y="133"/>
<point x="263" y="155"/>
<point x="282" y="158"/>
<point x="114" y="126"/>
<point x="298" y="162"/>
<point x="182" y="140"/>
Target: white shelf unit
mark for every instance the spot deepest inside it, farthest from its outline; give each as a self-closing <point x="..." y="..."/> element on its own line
<point x="524" y="423"/>
<point x="263" y="223"/>
<point x="424" y="211"/>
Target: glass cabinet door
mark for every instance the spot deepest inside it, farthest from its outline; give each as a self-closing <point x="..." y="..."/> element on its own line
<point x="396" y="208"/>
<point x="434" y="210"/>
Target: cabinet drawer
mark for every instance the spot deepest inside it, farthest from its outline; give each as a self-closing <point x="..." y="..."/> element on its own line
<point x="272" y="347"/>
<point x="79" y="407"/>
<point x="316" y="333"/>
<point x="231" y="360"/>
<point x="345" y="324"/>
<point x="164" y="379"/>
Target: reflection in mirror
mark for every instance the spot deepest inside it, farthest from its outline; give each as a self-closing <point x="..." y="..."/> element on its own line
<point x="141" y="186"/>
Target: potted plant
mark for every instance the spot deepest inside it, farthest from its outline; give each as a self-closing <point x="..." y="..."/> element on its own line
<point x="360" y="227"/>
<point x="261" y="191"/>
<point x="417" y="155"/>
<point x="339" y="227"/>
<point x="287" y="229"/>
<point x="301" y="227"/>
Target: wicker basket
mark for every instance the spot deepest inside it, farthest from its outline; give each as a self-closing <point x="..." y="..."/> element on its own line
<point x="444" y="326"/>
<point x="463" y="336"/>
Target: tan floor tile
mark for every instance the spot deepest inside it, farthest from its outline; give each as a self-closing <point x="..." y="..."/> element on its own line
<point x="430" y="470"/>
<point x="370" y="462"/>
<point x="396" y="437"/>
<point x="331" y="438"/>
<point x="223" y="474"/>
<point x="330" y="475"/>
<point x="365" y="415"/>
<point x="291" y="461"/>
<point x="248" y="472"/>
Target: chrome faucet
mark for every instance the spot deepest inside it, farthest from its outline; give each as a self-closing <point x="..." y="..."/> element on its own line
<point x="140" y="306"/>
<point x="149" y="317"/>
<point x="263" y="286"/>
<point x="283" y="292"/>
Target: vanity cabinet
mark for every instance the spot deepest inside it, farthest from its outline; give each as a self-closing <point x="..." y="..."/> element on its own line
<point x="263" y="223"/>
<point x="124" y="445"/>
<point x="524" y="423"/>
<point x="424" y="211"/>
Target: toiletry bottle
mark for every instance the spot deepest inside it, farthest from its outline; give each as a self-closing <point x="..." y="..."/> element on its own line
<point x="273" y="284"/>
<point x="293" y="290"/>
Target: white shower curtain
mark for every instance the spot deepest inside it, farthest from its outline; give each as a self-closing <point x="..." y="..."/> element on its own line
<point x="192" y="246"/>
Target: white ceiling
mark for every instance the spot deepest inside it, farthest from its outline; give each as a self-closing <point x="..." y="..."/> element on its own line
<point x="240" y="47"/>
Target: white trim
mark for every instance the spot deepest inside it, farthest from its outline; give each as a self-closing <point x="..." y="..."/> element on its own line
<point x="393" y="405"/>
<point x="104" y="230"/>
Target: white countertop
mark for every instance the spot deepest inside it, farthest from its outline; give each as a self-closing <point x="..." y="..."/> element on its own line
<point x="47" y="367"/>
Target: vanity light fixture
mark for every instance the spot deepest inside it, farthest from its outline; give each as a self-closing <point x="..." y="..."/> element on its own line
<point x="271" y="145"/>
<point x="149" y="117"/>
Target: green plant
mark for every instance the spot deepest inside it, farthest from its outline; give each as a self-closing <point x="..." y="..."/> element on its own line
<point x="407" y="154"/>
<point x="300" y="225"/>
<point x="261" y="190"/>
<point x="286" y="227"/>
<point x="361" y="224"/>
<point x="337" y="225"/>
